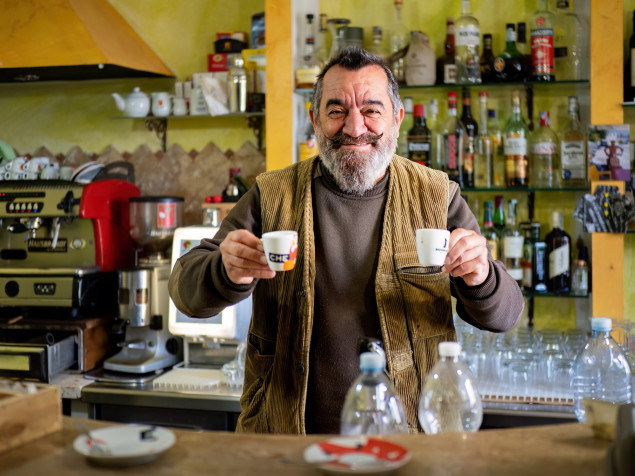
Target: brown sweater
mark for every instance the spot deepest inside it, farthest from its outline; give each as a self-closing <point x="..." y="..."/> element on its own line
<point x="345" y="304"/>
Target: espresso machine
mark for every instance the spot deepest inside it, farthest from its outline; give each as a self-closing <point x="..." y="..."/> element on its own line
<point x="143" y="291"/>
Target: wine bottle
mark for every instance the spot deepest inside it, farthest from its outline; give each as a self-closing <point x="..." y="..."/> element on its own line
<point x="446" y="64"/>
<point x="559" y="256"/>
<point x="419" y="137"/>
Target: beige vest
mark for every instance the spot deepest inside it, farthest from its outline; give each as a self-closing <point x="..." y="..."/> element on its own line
<point x="414" y="308"/>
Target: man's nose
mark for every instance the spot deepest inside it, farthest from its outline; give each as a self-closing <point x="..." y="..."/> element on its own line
<point x="354" y="124"/>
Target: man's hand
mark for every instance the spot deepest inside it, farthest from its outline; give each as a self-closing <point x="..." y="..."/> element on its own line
<point x="467" y="257"/>
<point x="244" y="258"/>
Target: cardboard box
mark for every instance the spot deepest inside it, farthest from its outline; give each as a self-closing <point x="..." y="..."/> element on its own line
<point x="218" y="62"/>
<point x="27" y="416"/>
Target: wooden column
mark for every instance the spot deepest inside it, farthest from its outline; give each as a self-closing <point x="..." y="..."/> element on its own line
<point x="606" y="97"/>
<point x="279" y="119"/>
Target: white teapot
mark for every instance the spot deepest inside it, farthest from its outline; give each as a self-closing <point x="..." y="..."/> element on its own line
<point x="136" y="104"/>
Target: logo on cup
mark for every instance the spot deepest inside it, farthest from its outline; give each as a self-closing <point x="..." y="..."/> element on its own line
<point x="278" y="258"/>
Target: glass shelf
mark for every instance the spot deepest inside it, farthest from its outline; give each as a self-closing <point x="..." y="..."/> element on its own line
<point x="552" y="295"/>
<point x="205" y="116"/>
<point x="525" y="189"/>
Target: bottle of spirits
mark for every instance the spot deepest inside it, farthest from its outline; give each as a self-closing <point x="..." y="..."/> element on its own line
<point x="378" y="48"/>
<point x="309" y="66"/>
<point x="398" y="40"/>
<point x="515" y="147"/>
<point x="487" y="60"/>
<point x="573" y="149"/>
<point x="513" y="241"/>
<point x="569" y="43"/>
<point x="488" y="230"/>
<point x="446" y="64"/>
<point x="539" y="266"/>
<point x="559" y="256"/>
<point x="406" y="125"/>
<point x="468" y="39"/>
<point x="483" y="163"/>
<point x="470" y="143"/>
<point x="453" y="136"/>
<point x="580" y="275"/>
<point x="499" y="217"/>
<point x="629" y="68"/>
<point x="545" y="160"/>
<point x="308" y="143"/>
<point x="523" y="48"/>
<point x="528" y="249"/>
<point x="419" y="137"/>
<point x="541" y="27"/>
<point x="509" y="65"/>
<point x="436" y="153"/>
<point x="498" y="157"/>
<point x="321" y="50"/>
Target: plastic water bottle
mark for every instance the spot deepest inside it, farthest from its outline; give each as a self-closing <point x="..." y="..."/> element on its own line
<point x="450" y="401"/>
<point x="601" y="371"/>
<point x="371" y="406"/>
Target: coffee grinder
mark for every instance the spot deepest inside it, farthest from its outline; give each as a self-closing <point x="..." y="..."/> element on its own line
<point x="143" y="291"/>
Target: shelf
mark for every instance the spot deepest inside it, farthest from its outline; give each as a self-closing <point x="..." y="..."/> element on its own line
<point x="530" y="294"/>
<point x="205" y="116"/>
<point x="628" y="104"/>
<point x="525" y="189"/>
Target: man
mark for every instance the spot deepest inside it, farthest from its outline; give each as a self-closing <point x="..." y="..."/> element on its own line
<point x="356" y="208"/>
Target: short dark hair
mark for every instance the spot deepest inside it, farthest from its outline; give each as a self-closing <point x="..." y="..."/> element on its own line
<point x="354" y="58"/>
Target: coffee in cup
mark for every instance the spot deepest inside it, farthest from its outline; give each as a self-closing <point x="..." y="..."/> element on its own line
<point x="432" y="246"/>
<point x="281" y="249"/>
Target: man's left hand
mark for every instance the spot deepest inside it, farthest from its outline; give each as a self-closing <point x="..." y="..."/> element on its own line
<point x="467" y="257"/>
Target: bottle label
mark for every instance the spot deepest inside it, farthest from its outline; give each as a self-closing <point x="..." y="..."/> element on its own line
<point x="542" y="51"/>
<point x="573" y="160"/>
<point x="308" y="149"/>
<point x="513" y="246"/>
<point x="559" y="261"/>
<point x="452" y="145"/>
<point x="527" y="275"/>
<point x="468" y="153"/>
<point x="418" y="144"/>
<point x="515" y="146"/>
<point x="468" y="35"/>
<point x="449" y="73"/>
<point x="305" y="76"/>
<point x="516" y="273"/>
<point x="493" y="248"/>
<point x="544" y="148"/>
<point x="499" y="64"/>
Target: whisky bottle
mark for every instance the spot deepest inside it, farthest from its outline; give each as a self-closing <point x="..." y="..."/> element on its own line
<point x="559" y="256"/>
<point x="468" y="39"/>
<point x="573" y="149"/>
<point x="470" y="142"/>
<point x="446" y="64"/>
<point x="541" y="27"/>
<point x="419" y="137"/>
<point x="513" y="244"/>
<point x="515" y="147"/>
<point x="453" y="136"/>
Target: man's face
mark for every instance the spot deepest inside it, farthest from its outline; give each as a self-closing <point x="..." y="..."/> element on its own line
<point x="357" y="130"/>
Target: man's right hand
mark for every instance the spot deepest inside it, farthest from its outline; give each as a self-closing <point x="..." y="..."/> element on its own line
<point x="244" y="258"/>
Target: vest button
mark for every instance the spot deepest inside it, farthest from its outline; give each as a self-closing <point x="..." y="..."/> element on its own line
<point x="299" y="368"/>
<point x="302" y="292"/>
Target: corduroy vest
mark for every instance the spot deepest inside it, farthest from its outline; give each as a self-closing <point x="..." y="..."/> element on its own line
<point x="414" y="307"/>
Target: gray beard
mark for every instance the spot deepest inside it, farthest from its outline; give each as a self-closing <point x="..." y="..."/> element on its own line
<point x="357" y="172"/>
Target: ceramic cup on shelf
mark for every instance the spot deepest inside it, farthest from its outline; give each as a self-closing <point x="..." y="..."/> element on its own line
<point x="179" y="107"/>
<point x="160" y="104"/>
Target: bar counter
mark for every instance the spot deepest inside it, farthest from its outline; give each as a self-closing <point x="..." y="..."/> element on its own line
<point x="565" y="449"/>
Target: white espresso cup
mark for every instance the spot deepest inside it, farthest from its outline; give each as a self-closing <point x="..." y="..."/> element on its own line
<point x="432" y="246"/>
<point x="281" y="249"/>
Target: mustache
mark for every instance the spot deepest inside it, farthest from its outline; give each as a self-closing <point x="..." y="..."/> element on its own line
<point x="340" y="138"/>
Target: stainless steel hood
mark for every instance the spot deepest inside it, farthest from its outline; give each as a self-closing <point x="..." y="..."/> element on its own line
<point x="45" y="40"/>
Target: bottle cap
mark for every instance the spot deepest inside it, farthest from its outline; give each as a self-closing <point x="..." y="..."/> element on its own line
<point x="371" y="361"/>
<point x="407" y="104"/>
<point x="483" y="95"/>
<point x="491" y="113"/>
<point x="449" y="349"/>
<point x="601" y="324"/>
<point x="419" y="110"/>
<point x="544" y="119"/>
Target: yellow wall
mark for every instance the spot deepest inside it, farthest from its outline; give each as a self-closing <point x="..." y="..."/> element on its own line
<point x="60" y="115"/>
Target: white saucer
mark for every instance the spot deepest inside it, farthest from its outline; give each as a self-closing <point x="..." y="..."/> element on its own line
<point x="85" y="173"/>
<point x="122" y="445"/>
<point x="357" y="455"/>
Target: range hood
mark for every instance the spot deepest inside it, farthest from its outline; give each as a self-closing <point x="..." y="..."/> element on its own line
<point x="50" y="40"/>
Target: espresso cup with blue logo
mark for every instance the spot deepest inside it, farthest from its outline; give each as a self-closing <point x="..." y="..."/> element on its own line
<point x="432" y="246"/>
<point x="281" y="249"/>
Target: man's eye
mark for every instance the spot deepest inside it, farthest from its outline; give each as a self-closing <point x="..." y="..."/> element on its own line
<point x="372" y="112"/>
<point x="336" y="113"/>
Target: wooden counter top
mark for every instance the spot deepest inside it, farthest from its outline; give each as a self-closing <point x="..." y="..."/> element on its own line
<point x="567" y="449"/>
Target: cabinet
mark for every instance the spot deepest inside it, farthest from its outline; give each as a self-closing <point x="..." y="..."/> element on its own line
<point x="604" y="103"/>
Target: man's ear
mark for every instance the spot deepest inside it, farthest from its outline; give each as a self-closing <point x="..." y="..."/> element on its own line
<point x="313" y="118"/>
<point x="399" y="117"/>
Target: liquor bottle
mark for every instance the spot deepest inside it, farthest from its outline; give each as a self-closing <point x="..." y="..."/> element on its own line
<point x="446" y="64"/>
<point x="488" y="230"/>
<point x="580" y="275"/>
<point x="378" y="48"/>
<point x="559" y="256"/>
<point x="499" y="216"/>
<point x="468" y="39"/>
<point x="453" y="136"/>
<point x="513" y="244"/>
<point x="308" y="144"/>
<point x="406" y="125"/>
<point x="483" y="163"/>
<point x="515" y="147"/>
<point x="470" y="143"/>
<point x="498" y="157"/>
<point x="539" y="266"/>
<point x="419" y="137"/>
<point x="629" y="68"/>
<point x="509" y="65"/>
<point x="545" y="160"/>
<point x="531" y="276"/>
<point x="398" y="40"/>
<point x="573" y="149"/>
<point x="541" y="27"/>
<point x="569" y="43"/>
<point x="309" y="67"/>
<point x="523" y="47"/>
<point x="321" y="50"/>
<point x="487" y="60"/>
<point x="436" y="153"/>
<point x="237" y="86"/>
